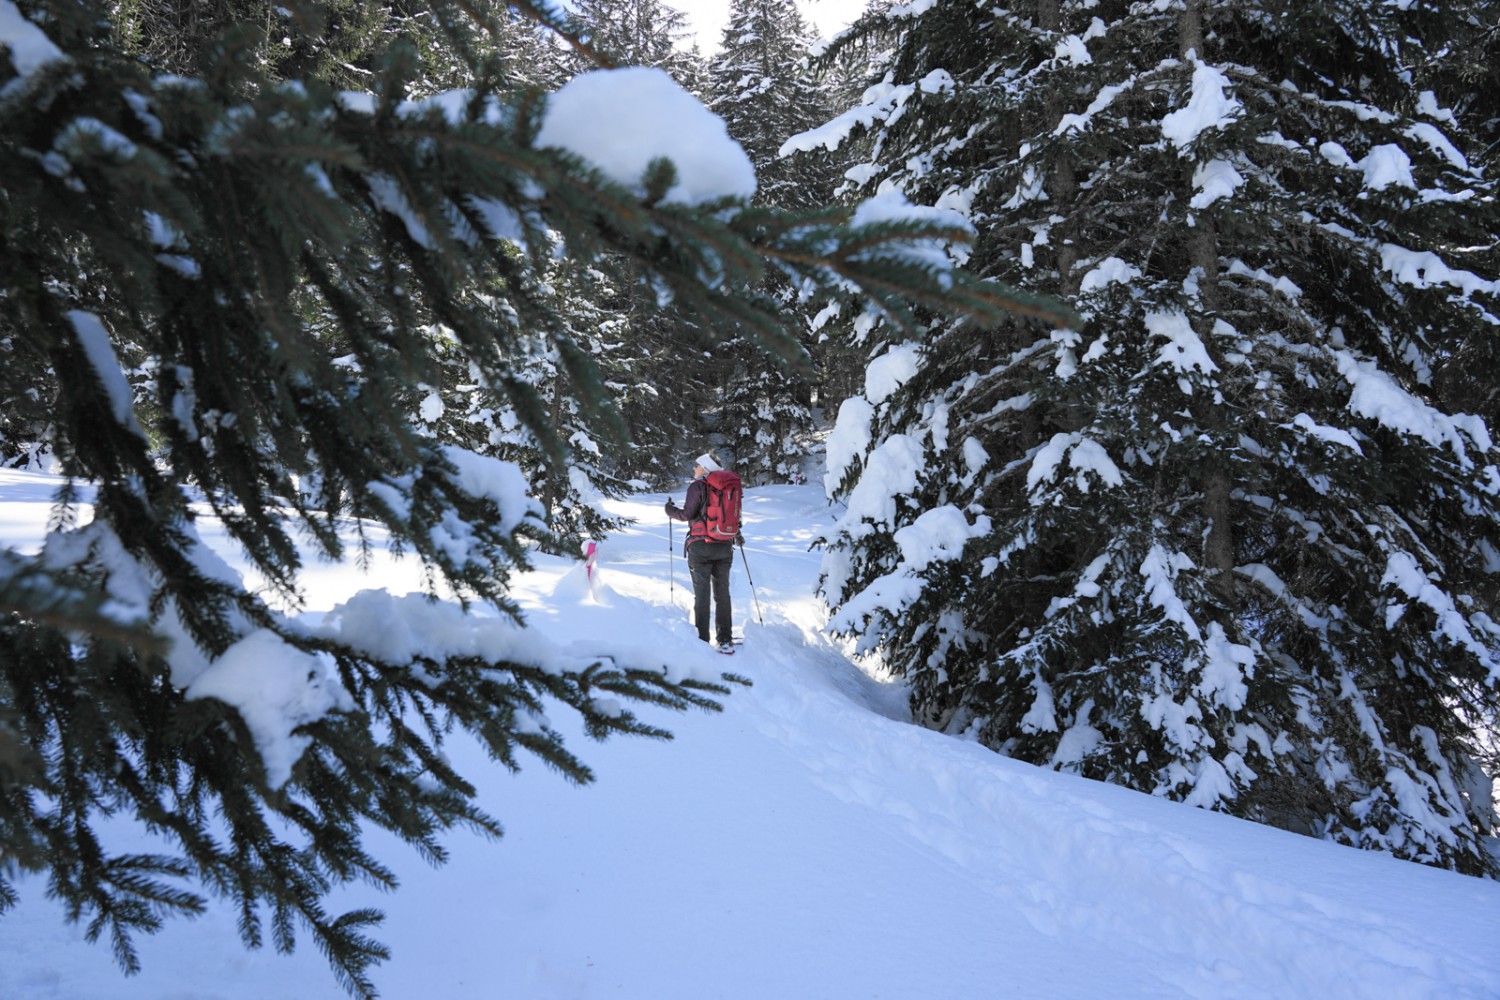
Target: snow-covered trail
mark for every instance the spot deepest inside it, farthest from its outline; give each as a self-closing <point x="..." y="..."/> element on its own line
<point x="809" y="842"/>
<point x="1094" y="884"/>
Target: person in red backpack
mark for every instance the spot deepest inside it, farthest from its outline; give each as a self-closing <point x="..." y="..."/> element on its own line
<point x="712" y="511"/>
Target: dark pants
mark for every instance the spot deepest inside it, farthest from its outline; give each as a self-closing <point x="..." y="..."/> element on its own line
<point x="709" y="564"/>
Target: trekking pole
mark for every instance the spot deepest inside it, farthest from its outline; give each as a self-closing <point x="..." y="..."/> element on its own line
<point x="671" y="565"/>
<point x="753" y="594"/>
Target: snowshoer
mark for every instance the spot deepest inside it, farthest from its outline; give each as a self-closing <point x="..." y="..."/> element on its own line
<point x="712" y="511"/>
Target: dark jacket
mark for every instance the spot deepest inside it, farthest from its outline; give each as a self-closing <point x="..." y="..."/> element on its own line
<point x="692" y="509"/>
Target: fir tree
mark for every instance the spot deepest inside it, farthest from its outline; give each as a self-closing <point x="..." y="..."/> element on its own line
<point x="283" y="266"/>
<point x="1231" y="539"/>
<point x="464" y="411"/>
<point x="666" y="400"/>
<point x="762" y="88"/>
<point x="637" y="33"/>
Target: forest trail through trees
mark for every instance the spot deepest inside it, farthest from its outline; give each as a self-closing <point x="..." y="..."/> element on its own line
<point x="810" y="842"/>
<point x="1223" y="528"/>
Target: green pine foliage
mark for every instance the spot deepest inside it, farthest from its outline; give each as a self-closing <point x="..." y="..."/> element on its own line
<point x="229" y="288"/>
<point x="665" y="391"/>
<point x="762" y="87"/>
<point x="635" y="33"/>
<point x="1232" y="538"/>
<point x="1466" y="78"/>
<point x="677" y="353"/>
<point x="463" y="410"/>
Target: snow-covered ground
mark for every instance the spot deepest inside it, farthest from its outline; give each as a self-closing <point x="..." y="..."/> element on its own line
<point x="809" y="842"/>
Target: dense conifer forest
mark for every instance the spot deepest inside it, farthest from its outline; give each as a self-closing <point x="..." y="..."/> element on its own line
<point x="1151" y="343"/>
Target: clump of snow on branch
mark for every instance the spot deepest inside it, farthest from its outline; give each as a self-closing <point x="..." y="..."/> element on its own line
<point x="94" y="340"/>
<point x="1439" y="143"/>
<point x="890" y="371"/>
<point x="1214" y="180"/>
<point x="1424" y="269"/>
<point x="275" y="688"/>
<point x="914" y="9"/>
<point x="1225" y="668"/>
<point x="414" y="628"/>
<point x="400" y="630"/>
<point x="1405" y="574"/>
<point x="1109" y="271"/>
<point x="620" y="120"/>
<point x="1082" y="122"/>
<point x="1183" y="349"/>
<point x="891" y="470"/>
<point x="847" y="441"/>
<point x="939" y="81"/>
<point x="1377" y="396"/>
<point x="882" y="102"/>
<point x="1082" y="454"/>
<point x="1322" y="432"/>
<point x="938" y="535"/>
<point x="389" y="196"/>
<point x="30" y="48"/>
<point x="95" y="551"/>
<point x="496" y="480"/>
<point x="892" y="205"/>
<point x="1072" y="51"/>
<point x="186" y="660"/>
<point x="1160" y="568"/>
<point x="1210" y="106"/>
<point x="1042" y="716"/>
<point x="1386" y="165"/>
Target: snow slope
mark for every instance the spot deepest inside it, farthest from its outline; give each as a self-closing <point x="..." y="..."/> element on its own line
<point x="809" y="843"/>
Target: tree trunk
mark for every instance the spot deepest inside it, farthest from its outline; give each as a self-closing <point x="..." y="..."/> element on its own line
<point x="553" y="484"/>
<point x="1203" y="257"/>
<point x="1063" y="184"/>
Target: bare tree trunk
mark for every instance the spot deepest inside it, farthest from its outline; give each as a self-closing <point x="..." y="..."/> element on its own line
<point x="1219" y="546"/>
<point x="552" y="489"/>
<point x="1190" y="28"/>
<point x="1062" y="188"/>
<point x="1203" y="257"/>
<point x="1063" y="184"/>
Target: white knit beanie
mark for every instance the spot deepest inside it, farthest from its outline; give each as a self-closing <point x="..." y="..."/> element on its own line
<point x="707" y="461"/>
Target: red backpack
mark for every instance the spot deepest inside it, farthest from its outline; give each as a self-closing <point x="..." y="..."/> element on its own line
<point x="721" y="514"/>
